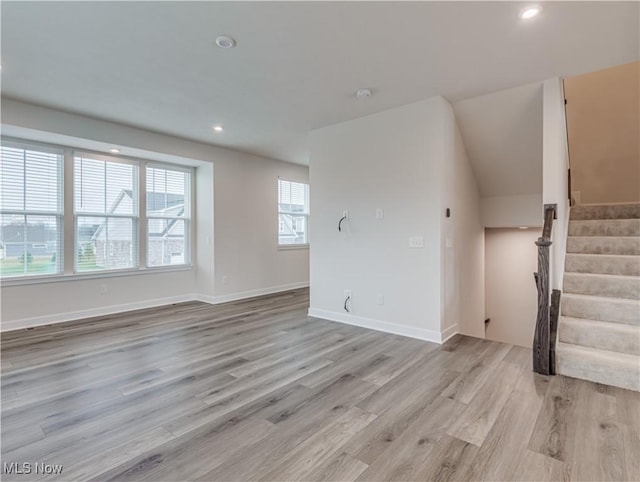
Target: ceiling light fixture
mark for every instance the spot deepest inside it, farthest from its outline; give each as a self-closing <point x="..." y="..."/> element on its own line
<point x="225" y="42"/>
<point x="218" y="128"/>
<point x="529" y="13"/>
<point x="523" y="227"/>
<point x="363" y="93"/>
<point x="114" y="151"/>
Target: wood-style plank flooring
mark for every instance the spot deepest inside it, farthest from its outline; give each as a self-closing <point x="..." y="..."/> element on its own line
<point x="256" y="390"/>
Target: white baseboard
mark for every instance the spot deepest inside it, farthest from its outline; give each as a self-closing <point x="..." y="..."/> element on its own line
<point x="385" y="326"/>
<point x="449" y="332"/>
<point x="216" y="300"/>
<point x="90" y="313"/>
<point x="113" y="309"/>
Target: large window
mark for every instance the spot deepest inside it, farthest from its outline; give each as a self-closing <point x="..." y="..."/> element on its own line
<point x="106" y="213"/>
<point x="293" y="213"/>
<point x="31" y="210"/>
<point x="112" y="214"/>
<point x="168" y="215"/>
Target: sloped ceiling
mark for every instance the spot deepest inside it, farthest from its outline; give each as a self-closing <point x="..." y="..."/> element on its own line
<point x="502" y="133"/>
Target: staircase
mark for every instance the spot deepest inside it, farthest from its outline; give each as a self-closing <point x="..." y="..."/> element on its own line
<point x="599" y="330"/>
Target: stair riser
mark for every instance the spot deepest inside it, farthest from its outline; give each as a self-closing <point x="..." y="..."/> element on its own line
<point x="609" y="227"/>
<point x="614" y="337"/>
<point x="619" y="211"/>
<point x="601" y="309"/>
<point x="580" y="368"/>
<point x="628" y="288"/>
<point x="576" y="263"/>
<point x="604" y="245"/>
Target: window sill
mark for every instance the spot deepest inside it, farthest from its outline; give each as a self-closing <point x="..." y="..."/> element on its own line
<point x="287" y="247"/>
<point x="58" y="278"/>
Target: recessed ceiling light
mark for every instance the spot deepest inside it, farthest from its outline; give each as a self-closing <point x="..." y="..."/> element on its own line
<point x="225" y="42"/>
<point x="114" y="151"/>
<point x="363" y="93"/>
<point x="218" y="128"/>
<point x="529" y="12"/>
<point x="523" y="227"/>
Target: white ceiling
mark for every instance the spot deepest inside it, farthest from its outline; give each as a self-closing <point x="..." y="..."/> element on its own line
<point x="502" y="133"/>
<point x="296" y="65"/>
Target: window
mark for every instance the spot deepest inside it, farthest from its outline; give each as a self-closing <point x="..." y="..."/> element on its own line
<point x="293" y="213"/>
<point x="113" y="214"/>
<point x="168" y="216"/>
<point x="106" y="213"/>
<point x="31" y="209"/>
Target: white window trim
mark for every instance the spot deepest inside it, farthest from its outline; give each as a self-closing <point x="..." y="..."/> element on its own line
<point x="68" y="219"/>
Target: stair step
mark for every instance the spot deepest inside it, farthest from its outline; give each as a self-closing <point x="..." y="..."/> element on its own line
<point x="628" y="245"/>
<point x="600" y="366"/>
<point x="603" y="264"/>
<point x="605" y="211"/>
<point x="605" y="227"/>
<point x="603" y="335"/>
<point x="600" y="308"/>
<point x="612" y="286"/>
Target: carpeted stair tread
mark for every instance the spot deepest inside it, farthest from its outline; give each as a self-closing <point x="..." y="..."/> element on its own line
<point x="617" y="310"/>
<point x="605" y="227"/>
<point x="624" y="245"/>
<point x="601" y="366"/>
<point x="603" y="335"/>
<point x="627" y="265"/>
<point x="607" y="285"/>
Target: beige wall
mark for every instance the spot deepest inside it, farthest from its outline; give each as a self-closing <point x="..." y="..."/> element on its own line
<point x="510" y="291"/>
<point x="603" y="117"/>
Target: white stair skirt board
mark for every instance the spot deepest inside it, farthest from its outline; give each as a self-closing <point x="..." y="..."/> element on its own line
<point x="599" y="330"/>
<point x="385" y="326"/>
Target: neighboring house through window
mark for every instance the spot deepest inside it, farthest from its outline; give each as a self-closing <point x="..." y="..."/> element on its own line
<point x="293" y="213"/>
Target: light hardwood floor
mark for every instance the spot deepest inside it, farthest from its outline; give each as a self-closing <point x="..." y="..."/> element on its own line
<point x="256" y="390"/>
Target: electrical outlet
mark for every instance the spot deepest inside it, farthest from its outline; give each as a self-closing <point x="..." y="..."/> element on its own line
<point x="347" y="294"/>
<point x="379" y="213"/>
<point x="103" y="289"/>
<point x="380" y="299"/>
<point x="225" y="280"/>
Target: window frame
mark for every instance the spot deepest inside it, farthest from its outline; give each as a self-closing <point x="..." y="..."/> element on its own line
<point x="306" y="215"/>
<point x="59" y="214"/>
<point x="67" y="248"/>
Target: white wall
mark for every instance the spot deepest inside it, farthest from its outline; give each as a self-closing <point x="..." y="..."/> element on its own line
<point x="512" y="211"/>
<point x="242" y="189"/>
<point x="511" y="258"/>
<point x="555" y="165"/>
<point x="395" y="161"/>
<point x="462" y="241"/>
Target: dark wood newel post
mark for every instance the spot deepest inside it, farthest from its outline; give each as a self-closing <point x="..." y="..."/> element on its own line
<point x="542" y="349"/>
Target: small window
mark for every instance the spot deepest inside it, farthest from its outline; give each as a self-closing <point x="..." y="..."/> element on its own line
<point x="293" y="213"/>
